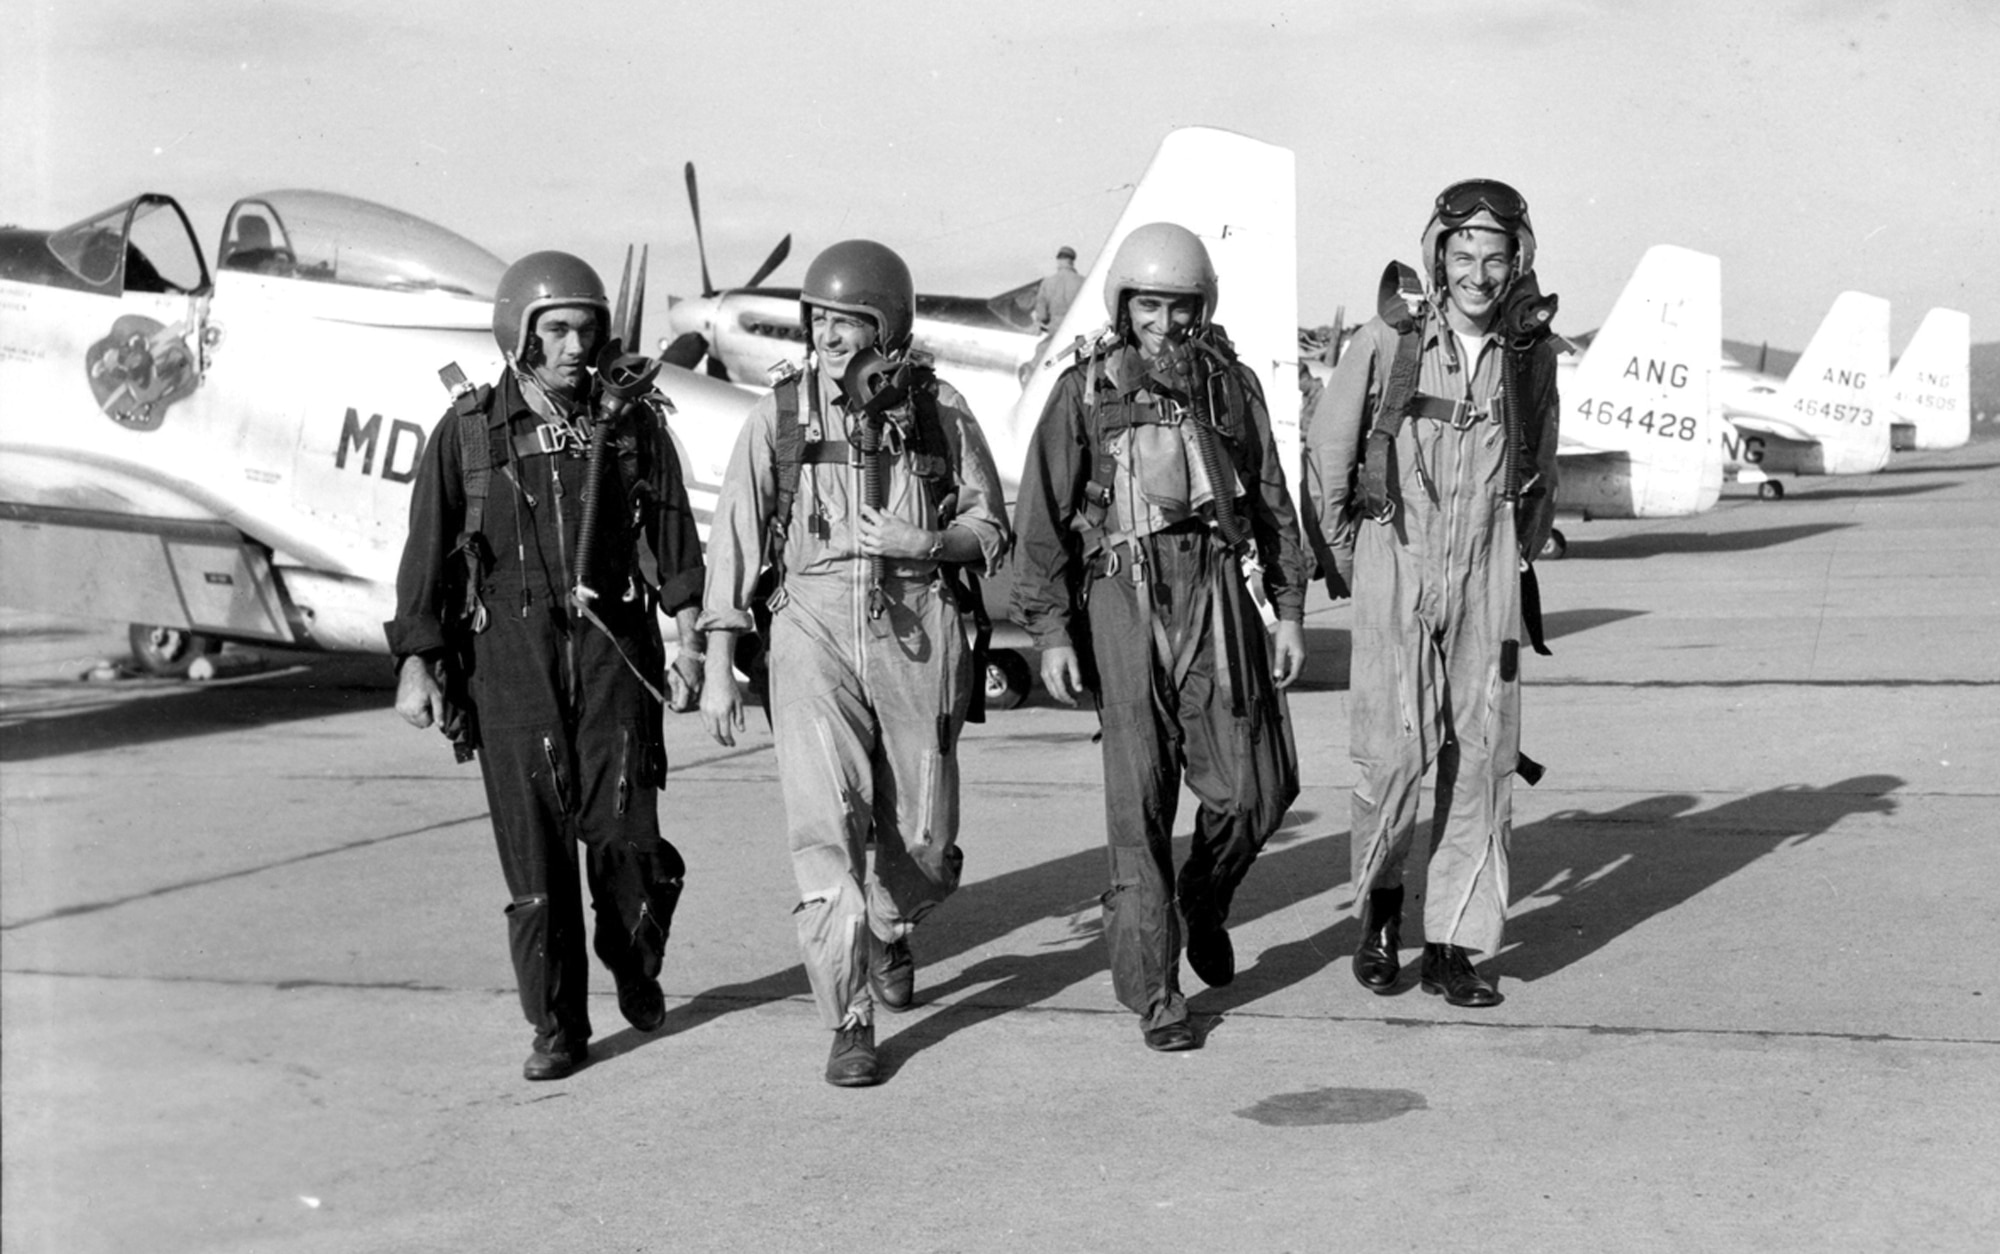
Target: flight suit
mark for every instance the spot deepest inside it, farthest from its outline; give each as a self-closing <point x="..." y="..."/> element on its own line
<point x="1148" y="600"/>
<point x="569" y="738"/>
<point x="1437" y="618"/>
<point x="865" y="709"/>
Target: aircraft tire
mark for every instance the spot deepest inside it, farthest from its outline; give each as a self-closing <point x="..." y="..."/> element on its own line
<point x="1555" y="547"/>
<point x="1009" y="679"/>
<point x="168" y="651"/>
<point x="1771" y="490"/>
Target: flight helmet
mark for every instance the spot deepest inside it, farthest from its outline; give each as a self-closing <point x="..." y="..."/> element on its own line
<point x="1479" y="203"/>
<point x="538" y="281"/>
<point x="860" y="276"/>
<point x="1159" y="257"/>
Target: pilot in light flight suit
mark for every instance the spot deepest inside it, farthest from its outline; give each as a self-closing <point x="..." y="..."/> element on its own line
<point x="1437" y="590"/>
<point x="870" y="672"/>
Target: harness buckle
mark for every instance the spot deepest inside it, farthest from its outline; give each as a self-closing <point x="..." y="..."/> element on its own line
<point x="551" y="438"/>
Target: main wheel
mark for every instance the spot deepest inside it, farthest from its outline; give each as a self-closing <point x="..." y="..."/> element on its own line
<point x="1555" y="546"/>
<point x="1771" y="490"/>
<point x="168" y="650"/>
<point x="1009" y="679"/>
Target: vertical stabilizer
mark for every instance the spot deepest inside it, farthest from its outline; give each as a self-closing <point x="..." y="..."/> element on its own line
<point x="1643" y="391"/>
<point x="1238" y="194"/>
<point x="1931" y="386"/>
<point x="1838" y="394"/>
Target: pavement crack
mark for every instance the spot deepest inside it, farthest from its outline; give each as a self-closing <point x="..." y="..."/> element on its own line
<point x="165" y="890"/>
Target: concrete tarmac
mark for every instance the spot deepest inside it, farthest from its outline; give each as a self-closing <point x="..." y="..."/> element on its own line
<point x="256" y="994"/>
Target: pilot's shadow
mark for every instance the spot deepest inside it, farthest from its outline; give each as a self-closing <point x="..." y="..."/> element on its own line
<point x="1594" y="876"/>
<point x="1290" y="871"/>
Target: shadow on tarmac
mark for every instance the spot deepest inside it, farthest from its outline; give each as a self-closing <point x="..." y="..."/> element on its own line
<point x="1659" y="543"/>
<point x="1871" y="491"/>
<point x="295" y="687"/>
<point x="1583" y="879"/>
<point x="1593" y="876"/>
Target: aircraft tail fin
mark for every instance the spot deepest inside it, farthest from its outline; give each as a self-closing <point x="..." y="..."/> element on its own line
<point x="1931" y="386"/>
<point x="1643" y="390"/>
<point x="1838" y="393"/>
<point x="1239" y="195"/>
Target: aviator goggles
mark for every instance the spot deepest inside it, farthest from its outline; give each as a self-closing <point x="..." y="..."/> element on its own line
<point x="1460" y="201"/>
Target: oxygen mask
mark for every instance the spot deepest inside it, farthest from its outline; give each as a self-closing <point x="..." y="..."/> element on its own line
<point x="1525" y="312"/>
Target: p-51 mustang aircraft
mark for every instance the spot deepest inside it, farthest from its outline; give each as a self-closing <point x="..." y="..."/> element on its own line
<point x="1830" y="416"/>
<point x="226" y="455"/>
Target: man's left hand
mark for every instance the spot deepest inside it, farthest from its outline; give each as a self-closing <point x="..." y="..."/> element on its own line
<point x="1288" y="653"/>
<point x="684" y="682"/>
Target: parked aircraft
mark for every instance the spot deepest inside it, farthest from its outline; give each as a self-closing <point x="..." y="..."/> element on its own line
<point x="227" y="455"/>
<point x="1829" y="416"/>
<point x="1930" y="388"/>
<point x="1639" y="429"/>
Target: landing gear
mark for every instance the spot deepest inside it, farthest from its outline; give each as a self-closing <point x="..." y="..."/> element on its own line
<point x="1554" y="547"/>
<point x="1771" y="490"/>
<point x="1008" y="679"/>
<point x="168" y="651"/>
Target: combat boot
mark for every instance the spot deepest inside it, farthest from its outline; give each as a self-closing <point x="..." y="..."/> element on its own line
<point x="1448" y="969"/>
<point x="1376" y="963"/>
<point x="853" y="1064"/>
<point x="892" y="973"/>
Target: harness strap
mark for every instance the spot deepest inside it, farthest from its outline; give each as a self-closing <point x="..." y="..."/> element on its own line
<point x="1401" y="305"/>
<point x="468" y="406"/>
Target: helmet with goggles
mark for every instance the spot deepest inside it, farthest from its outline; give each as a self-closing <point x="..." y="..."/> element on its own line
<point x="1480" y="204"/>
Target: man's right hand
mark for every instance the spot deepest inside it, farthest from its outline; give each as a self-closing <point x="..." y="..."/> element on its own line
<point x="419" y="699"/>
<point x="1062" y="675"/>
<point x="721" y="699"/>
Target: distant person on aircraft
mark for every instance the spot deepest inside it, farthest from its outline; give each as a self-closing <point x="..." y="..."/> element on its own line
<point x="1057" y="292"/>
<point x="1432" y="459"/>
<point x="539" y="645"/>
<point x="857" y="490"/>
<point x="1151" y="479"/>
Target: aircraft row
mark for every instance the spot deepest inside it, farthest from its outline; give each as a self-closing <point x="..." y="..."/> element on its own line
<point x="225" y="454"/>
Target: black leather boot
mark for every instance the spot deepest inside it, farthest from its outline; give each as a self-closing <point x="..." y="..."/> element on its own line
<point x="1376" y="964"/>
<point x="1448" y="969"/>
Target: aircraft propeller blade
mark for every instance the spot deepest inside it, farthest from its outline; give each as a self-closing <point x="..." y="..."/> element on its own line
<point x="637" y="312"/>
<point x="700" y="248"/>
<point x="772" y="262"/>
<point x="618" y="328"/>
<point x="1333" y="345"/>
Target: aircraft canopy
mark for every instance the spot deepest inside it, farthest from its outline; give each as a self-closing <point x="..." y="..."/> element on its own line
<point x="329" y="238"/>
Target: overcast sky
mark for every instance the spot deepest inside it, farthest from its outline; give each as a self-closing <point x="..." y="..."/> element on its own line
<point x="1814" y="145"/>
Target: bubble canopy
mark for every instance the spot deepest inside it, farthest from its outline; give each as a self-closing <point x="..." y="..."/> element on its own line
<point x="329" y="238"/>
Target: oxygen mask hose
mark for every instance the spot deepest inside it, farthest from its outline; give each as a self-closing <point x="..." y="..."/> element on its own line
<point x="621" y="379"/>
<point x="870" y="387"/>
